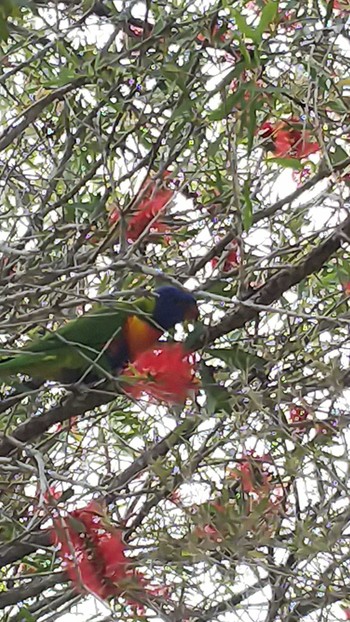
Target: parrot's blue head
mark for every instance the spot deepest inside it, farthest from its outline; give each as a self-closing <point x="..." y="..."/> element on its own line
<point x="173" y="306"/>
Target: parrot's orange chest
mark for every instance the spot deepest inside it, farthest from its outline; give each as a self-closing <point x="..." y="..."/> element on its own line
<point x="140" y="336"/>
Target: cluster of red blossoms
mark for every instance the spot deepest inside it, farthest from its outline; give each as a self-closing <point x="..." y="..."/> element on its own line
<point x="92" y="552"/>
<point x="298" y="414"/>
<point x="257" y="482"/>
<point x="152" y="204"/>
<point x="232" y="258"/>
<point x="287" y="138"/>
<point x="91" y="549"/>
<point x="258" y="485"/>
<point x="166" y="374"/>
<point x="218" y="32"/>
<point x="341" y="5"/>
<point x="253" y="473"/>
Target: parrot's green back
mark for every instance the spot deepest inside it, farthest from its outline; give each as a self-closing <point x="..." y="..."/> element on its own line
<point x="78" y="345"/>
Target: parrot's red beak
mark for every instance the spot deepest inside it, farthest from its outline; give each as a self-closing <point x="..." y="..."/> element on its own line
<point x="192" y="313"/>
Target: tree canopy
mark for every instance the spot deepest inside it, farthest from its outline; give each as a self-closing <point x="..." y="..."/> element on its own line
<point x="203" y="145"/>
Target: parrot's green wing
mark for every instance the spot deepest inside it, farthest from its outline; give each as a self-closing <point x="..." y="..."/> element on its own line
<point x="77" y="346"/>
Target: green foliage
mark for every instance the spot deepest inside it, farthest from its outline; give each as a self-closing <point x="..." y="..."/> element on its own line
<point x="251" y="471"/>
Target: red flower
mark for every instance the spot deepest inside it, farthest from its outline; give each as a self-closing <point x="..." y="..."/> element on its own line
<point x="297" y="414"/>
<point x="300" y="177"/>
<point x="218" y="507"/>
<point x="165" y="374"/>
<point x="136" y="30"/>
<point x="91" y="550"/>
<point x="346" y="288"/>
<point x="210" y="532"/>
<point x="287" y="20"/>
<point x="77" y="560"/>
<point x="326" y="429"/>
<point x="154" y="201"/>
<point x="217" y="33"/>
<point x="140" y="589"/>
<point x="246" y="476"/>
<point x="341" y="5"/>
<point x="51" y="495"/>
<point x="231" y="261"/>
<point x="288" y="138"/>
<point x="175" y="497"/>
<point x="105" y="538"/>
<point x="252" y="473"/>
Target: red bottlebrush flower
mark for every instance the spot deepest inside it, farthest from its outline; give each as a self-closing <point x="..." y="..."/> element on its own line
<point x="342" y="5"/>
<point x="252" y="473"/>
<point x="300" y="177"/>
<point x="52" y="495"/>
<point x="217" y="33"/>
<point x="232" y="259"/>
<point x="283" y="143"/>
<point x="266" y="130"/>
<point x="136" y="30"/>
<point x="166" y="374"/>
<point x="106" y="539"/>
<point x="218" y="507"/>
<point x="175" y="497"/>
<point x="346" y="288"/>
<point x="326" y="429"/>
<point x="139" y="589"/>
<point x="152" y="204"/>
<point x="113" y="217"/>
<point x="49" y="501"/>
<point x="159" y="591"/>
<point x="297" y="414"/>
<point x="246" y="476"/>
<point x="209" y="532"/>
<point x="94" y="559"/>
<point x="288" y="138"/>
<point x="346" y="612"/>
<point x="76" y="559"/>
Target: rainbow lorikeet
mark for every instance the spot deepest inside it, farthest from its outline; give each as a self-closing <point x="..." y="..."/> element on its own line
<point x="102" y="340"/>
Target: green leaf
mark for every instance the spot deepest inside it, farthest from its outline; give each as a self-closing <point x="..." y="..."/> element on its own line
<point x="4" y="32"/>
<point x="185" y="109"/>
<point x="87" y="5"/>
<point x="237" y="358"/>
<point x="227" y="105"/>
<point x="339" y="155"/>
<point x="66" y="75"/>
<point x="72" y="210"/>
<point x="218" y="397"/>
<point x="159" y="26"/>
<point x="197" y="334"/>
<point x="287" y="163"/>
<point x="214" y="146"/>
<point x="25" y="615"/>
<point x="251" y="127"/>
<point x="329" y="11"/>
<point x="247" y="213"/>
<point x="243" y="27"/>
<point x="268" y="16"/>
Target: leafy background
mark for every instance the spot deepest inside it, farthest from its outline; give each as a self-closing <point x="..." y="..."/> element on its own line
<point x="95" y="97"/>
